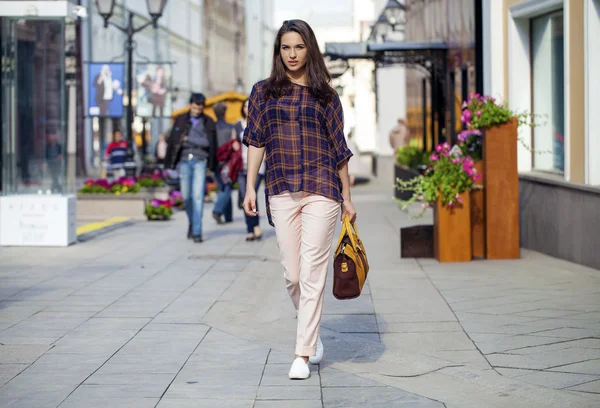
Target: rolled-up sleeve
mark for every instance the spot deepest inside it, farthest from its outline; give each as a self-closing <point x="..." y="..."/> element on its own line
<point x="335" y="127"/>
<point x="254" y="134"/>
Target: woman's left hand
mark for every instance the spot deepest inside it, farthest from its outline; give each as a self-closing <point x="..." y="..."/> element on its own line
<point x="349" y="210"/>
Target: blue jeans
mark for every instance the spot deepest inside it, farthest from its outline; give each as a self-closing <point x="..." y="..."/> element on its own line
<point x="251" y="222"/>
<point x="223" y="204"/>
<point x="193" y="183"/>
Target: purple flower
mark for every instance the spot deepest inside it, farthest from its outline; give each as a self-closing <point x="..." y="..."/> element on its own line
<point x="478" y="113"/>
<point x="434" y="157"/>
<point x="155" y="203"/>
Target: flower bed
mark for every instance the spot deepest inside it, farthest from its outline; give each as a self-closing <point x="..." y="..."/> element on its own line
<point x="123" y="185"/>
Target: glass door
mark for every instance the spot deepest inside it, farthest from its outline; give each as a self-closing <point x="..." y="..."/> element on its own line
<point x="33" y="106"/>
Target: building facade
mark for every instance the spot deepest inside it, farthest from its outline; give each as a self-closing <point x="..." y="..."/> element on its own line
<point x="433" y="114"/>
<point x="260" y="36"/>
<point x="202" y="41"/>
<point x="542" y="58"/>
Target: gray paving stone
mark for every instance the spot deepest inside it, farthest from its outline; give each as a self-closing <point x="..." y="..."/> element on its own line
<point x="206" y="403"/>
<point x="9" y="371"/>
<point x="21" y="353"/>
<point x="331" y="377"/>
<point x="341" y="397"/>
<point x="199" y="391"/>
<point x="557" y="380"/>
<point x="591" y="387"/>
<point x="95" y="392"/>
<point x="586" y="367"/>
<point x="289" y="404"/>
<point x="80" y="401"/>
<point x="289" y="392"/>
<point x="130" y="379"/>
<point x="421" y="327"/>
<point x="242" y="375"/>
<point x="348" y="323"/>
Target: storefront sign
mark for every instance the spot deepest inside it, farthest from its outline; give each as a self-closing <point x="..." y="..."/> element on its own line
<point x="153" y="90"/>
<point x="106" y="89"/>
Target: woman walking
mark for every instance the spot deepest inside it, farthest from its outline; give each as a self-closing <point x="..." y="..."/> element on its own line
<point x="296" y="118"/>
<point x="252" y="222"/>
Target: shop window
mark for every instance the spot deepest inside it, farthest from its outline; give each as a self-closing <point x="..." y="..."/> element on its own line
<point x="547" y="61"/>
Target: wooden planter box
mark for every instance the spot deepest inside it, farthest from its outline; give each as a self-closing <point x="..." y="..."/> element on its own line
<point x="478" y="215"/>
<point x="501" y="192"/>
<point x="452" y="231"/>
<point x="405" y="174"/>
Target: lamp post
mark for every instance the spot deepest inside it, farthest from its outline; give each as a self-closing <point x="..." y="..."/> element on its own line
<point x="155" y="9"/>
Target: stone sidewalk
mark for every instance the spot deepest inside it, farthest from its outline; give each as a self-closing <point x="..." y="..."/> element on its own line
<point x="141" y="317"/>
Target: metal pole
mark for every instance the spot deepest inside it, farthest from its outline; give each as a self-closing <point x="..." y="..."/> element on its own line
<point x="130" y="166"/>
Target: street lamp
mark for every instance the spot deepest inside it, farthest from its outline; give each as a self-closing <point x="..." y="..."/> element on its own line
<point x="155" y="9"/>
<point x="394" y="12"/>
<point x="382" y="27"/>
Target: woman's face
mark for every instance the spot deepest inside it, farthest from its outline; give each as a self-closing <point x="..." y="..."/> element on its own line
<point x="293" y="51"/>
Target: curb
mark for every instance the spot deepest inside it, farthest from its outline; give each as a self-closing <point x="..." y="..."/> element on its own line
<point x="92" y="230"/>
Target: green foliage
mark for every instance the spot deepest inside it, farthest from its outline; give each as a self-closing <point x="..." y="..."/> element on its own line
<point x="158" y="212"/>
<point x="411" y="156"/>
<point x="449" y="175"/>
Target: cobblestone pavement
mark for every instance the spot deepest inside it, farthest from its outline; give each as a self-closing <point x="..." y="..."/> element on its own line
<point x="141" y="317"/>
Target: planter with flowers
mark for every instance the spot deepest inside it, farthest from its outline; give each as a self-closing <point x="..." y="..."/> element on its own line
<point x="154" y="185"/>
<point x="176" y="199"/>
<point x="491" y="140"/>
<point x="159" y="210"/>
<point x="100" y="199"/>
<point x="445" y="186"/>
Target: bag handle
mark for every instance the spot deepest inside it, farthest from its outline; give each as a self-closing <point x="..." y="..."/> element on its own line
<point x="348" y="228"/>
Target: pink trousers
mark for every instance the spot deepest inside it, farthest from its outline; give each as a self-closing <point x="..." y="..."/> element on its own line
<point x="304" y="225"/>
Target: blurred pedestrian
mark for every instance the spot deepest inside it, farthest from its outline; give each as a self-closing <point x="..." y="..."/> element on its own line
<point x="54" y="160"/>
<point x="225" y="132"/>
<point x="192" y="146"/>
<point x="296" y="117"/>
<point x="116" y="154"/>
<point x="160" y="152"/>
<point x="353" y="165"/>
<point x="252" y="222"/>
<point x="399" y="135"/>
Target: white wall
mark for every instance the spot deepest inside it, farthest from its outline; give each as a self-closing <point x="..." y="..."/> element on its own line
<point x="391" y="104"/>
<point x="493" y="49"/>
<point x="592" y="89"/>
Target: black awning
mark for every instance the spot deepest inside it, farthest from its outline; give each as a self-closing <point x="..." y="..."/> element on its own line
<point x="347" y="50"/>
<point x="407" y="46"/>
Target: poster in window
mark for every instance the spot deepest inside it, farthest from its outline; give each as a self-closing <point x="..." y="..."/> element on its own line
<point x="106" y="89"/>
<point x="153" y="90"/>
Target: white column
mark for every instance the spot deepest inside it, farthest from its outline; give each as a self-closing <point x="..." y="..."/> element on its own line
<point x="592" y="89"/>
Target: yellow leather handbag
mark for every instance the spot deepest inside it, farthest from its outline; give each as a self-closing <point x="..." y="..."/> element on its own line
<point x="350" y="265"/>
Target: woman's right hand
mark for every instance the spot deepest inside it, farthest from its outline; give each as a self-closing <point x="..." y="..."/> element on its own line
<point x="250" y="203"/>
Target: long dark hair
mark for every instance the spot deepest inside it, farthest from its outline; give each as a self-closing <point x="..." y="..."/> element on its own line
<point x="317" y="75"/>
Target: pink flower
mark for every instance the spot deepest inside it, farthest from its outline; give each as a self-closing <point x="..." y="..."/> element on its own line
<point x="438" y="148"/>
<point x="456" y="160"/>
<point x="434" y="157"/>
<point x="478" y="113"/>
<point x="458" y="198"/>
<point x="467" y="114"/>
<point x="451" y="204"/>
<point x="464" y="105"/>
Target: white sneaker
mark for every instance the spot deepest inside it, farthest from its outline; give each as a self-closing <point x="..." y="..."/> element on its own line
<point x="299" y="370"/>
<point x="316" y="359"/>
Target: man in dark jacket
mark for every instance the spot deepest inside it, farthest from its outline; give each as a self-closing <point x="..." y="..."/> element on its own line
<point x="192" y="146"/>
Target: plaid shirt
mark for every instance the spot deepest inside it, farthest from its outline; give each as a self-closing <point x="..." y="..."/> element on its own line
<point x="303" y="139"/>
